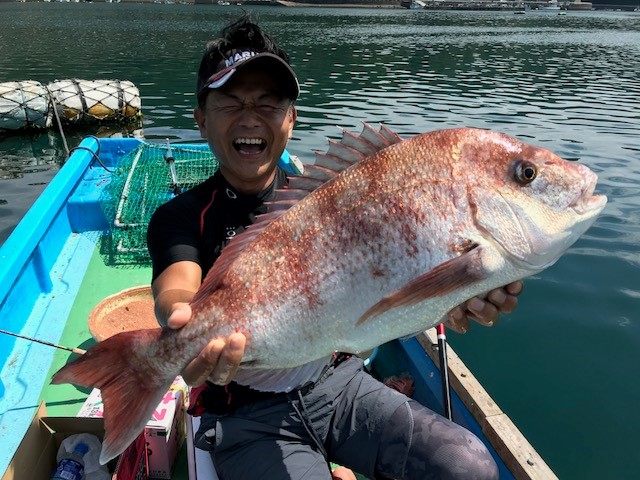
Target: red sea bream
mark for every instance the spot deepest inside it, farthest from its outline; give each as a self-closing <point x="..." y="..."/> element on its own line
<point x="378" y="240"/>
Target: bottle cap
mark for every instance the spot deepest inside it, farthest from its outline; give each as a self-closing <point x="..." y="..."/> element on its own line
<point x="81" y="448"/>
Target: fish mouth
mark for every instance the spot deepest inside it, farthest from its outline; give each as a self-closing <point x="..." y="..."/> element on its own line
<point x="586" y="202"/>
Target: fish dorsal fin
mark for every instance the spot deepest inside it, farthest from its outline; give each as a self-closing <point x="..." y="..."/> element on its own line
<point x="230" y="253"/>
<point x="380" y="139"/>
<point x="341" y="155"/>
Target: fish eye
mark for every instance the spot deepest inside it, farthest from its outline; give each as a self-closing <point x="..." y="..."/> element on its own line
<point x="525" y="172"/>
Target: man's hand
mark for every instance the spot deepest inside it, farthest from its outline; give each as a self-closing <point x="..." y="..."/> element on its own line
<point x="218" y="361"/>
<point x="486" y="311"/>
<point x="174" y="288"/>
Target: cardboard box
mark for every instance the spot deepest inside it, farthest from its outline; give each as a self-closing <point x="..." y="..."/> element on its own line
<point x="164" y="432"/>
<point x="93" y="406"/>
<point x="35" y="457"/>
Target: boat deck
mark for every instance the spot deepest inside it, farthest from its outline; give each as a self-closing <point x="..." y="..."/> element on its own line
<point x="100" y="281"/>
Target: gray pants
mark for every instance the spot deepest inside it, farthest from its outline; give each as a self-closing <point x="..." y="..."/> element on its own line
<point x="348" y="418"/>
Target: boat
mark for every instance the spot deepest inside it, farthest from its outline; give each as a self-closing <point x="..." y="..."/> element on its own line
<point x="417" y="5"/>
<point x="70" y="253"/>
<point x="413" y="4"/>
<point x="552" y="6"/>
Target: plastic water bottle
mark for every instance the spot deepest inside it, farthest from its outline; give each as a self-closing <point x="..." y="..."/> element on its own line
<point x="71" y="467"/>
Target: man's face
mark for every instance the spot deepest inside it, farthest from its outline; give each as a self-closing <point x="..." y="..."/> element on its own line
<point x="247" y="124"/>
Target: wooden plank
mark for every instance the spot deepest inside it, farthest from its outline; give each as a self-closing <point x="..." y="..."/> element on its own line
<point x="518" y="454"/>
<point x="514" y="449"/>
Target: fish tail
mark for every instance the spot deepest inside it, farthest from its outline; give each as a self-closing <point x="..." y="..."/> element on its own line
<point x="130" y="384"/>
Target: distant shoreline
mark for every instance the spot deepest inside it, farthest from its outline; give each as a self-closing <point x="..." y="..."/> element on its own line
<point x="286" y="3"/>
<point x="466" y="5"/>
<point x="469" y="5"/>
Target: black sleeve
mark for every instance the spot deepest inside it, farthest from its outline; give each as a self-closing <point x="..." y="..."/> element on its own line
<point x="173" y="236"/>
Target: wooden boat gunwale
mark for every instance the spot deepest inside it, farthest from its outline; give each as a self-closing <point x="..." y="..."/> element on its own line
<point x="519" y="456"/>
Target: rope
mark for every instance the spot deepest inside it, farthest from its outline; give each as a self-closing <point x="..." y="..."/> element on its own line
<point x="120" y="99"/>
<point x="83" y="100"/>
<point x="55" y="112"/>
<point x="24" y="106"/>
<point x="94" y="155"/>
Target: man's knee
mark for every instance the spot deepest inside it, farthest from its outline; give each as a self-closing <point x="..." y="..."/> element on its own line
<point x="466" y="457"/>
<point x="433" y="448"/>
<point x="453" y="451"/>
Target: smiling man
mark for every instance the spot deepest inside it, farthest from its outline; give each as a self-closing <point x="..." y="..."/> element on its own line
<point x="291" y="424"/>
<point x="248" y="122"/>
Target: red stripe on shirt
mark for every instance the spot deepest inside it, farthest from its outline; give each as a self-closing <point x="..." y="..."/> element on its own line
<point x="204" y="211"/>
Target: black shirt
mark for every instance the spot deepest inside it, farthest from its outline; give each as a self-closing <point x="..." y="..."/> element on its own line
<point x="198" y="224"/>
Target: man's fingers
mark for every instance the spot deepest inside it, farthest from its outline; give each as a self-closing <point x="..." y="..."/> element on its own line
<point x="515" y="288"/>
<point x="485" y="313"/>
<point x="217" y="362"/>
<point x="197" y="372"/>
<point x="457" y="320"/>
<point x="179" y="316"/>
<point x="229" y="360"/>
<point x="502" y="300"/>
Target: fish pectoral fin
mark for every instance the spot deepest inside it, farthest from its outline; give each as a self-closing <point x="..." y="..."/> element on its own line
<point x="443" y="279"/>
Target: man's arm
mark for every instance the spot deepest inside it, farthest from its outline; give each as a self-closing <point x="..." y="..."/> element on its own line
<point x="173" y="290"/>
<point x="487" y="310"/>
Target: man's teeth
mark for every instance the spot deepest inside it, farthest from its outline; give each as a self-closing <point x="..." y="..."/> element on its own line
<point x="248" y="141"/>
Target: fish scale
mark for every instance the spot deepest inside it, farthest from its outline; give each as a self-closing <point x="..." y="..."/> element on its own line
<point x="378" y="246"/>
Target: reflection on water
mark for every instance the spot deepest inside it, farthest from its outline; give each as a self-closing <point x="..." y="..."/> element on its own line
<point x="567" y="83"/>
<point x="27" y="164"/>
<point x="31" y="153"/>
<point x="29" y="160"/>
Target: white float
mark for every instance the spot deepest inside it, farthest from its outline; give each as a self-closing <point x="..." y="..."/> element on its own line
<point x="30" y="104"/>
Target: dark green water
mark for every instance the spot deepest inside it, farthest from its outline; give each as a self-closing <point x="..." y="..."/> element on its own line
<point x="564" y="365"/>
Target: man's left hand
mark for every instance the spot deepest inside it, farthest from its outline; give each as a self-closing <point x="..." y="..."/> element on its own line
<point x="486" y="310"/>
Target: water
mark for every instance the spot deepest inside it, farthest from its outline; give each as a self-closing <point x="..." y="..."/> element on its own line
<point x="563" y="366"/>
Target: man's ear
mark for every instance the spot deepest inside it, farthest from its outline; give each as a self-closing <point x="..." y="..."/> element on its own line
<point x="293" y="115"/>
<point x="201" y="120"/>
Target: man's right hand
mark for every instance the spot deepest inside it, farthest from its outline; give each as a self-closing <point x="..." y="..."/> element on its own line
<point x="219" y="360"/>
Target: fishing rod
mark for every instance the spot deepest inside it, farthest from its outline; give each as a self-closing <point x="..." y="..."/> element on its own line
<point x="77" y="351"/>
<point x="444" y="371"/>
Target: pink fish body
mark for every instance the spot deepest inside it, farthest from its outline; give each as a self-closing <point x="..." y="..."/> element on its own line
<point x="379" y="240"/>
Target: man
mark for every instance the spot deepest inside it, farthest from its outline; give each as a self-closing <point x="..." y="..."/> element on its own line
<point x="336" y="412"/>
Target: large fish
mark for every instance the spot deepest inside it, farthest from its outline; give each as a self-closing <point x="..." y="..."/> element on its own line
<point x="378" y="240"/>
